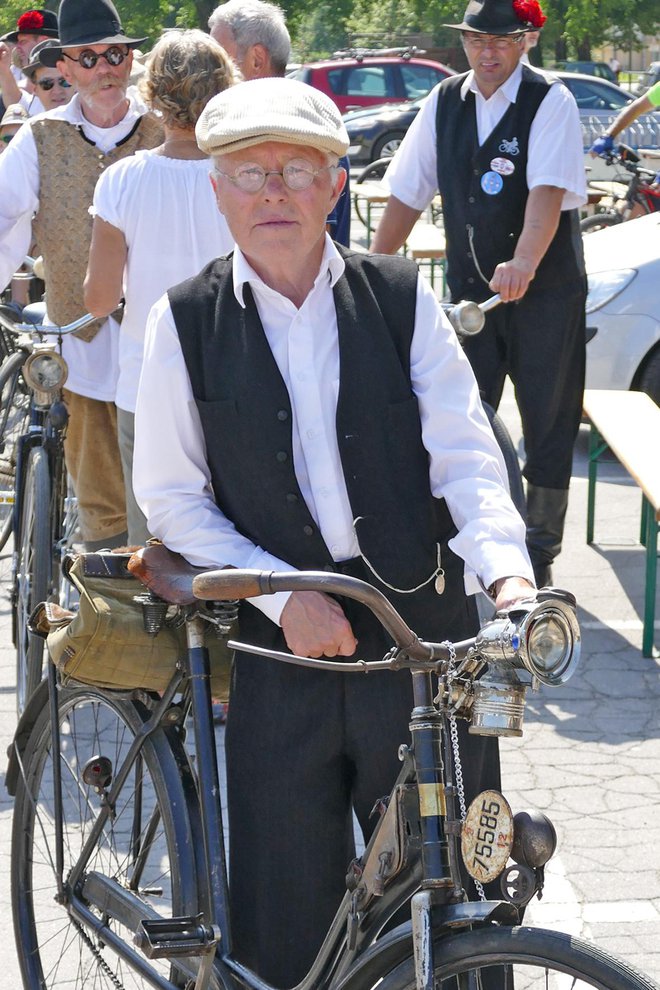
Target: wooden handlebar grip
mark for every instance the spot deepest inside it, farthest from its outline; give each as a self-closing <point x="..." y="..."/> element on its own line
<point x="231" y="583"/>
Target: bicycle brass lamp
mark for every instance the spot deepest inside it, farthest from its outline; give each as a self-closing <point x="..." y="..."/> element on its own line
<point x="45" y="372"/>
<point x="541" y="637"/>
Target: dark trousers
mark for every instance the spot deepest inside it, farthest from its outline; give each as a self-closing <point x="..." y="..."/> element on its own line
<point x="303" y="749"/>
<point x="540" y="343"/>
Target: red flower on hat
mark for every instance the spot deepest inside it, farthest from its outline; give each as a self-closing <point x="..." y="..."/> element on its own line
<point x="530" y="12"/>
<point x="32" y="20"/>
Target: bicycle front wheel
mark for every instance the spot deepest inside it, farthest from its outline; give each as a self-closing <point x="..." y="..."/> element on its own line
<point x="141" y="865"/>
<point x="33" y="569"/>
<point x="525" y="958"/>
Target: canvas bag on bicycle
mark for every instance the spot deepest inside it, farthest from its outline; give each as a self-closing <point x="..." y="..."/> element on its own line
<point x="105" y="642"/>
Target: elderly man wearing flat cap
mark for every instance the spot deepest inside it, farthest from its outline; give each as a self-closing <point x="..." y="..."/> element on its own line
<point x="47" y="180"/>
<point x="320" y="414"/>
<point x="503" y="145"/>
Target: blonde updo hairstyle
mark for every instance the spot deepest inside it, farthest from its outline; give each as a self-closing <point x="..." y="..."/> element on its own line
<point x="184" y="70"/>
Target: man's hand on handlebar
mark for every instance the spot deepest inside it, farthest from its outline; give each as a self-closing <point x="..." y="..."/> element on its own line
<point x="602" y="146"/>
<point x="314" y="625"/>
<point x="510" y="590"/>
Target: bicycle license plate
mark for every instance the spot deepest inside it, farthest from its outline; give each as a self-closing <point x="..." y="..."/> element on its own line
<point x="487" y="836"/>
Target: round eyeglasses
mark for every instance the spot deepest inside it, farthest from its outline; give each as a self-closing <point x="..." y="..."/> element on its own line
<point x="297" y="175"/>
<point x="47" y="84"/>
<point x="88" y="58"/>
<point x="499" y="42"/>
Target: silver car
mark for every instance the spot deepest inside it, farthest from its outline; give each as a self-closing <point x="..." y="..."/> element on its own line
<point x="623" y="306"/>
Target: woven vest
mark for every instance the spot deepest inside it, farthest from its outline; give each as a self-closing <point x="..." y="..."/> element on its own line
<point x="69" y="167"/>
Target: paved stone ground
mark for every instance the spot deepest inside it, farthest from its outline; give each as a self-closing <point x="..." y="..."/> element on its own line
<point x="590" y="756"/>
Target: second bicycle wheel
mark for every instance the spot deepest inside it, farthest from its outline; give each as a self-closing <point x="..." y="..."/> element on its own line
<point x="32" y="572"/>
<point x="144" y="855"/>
<point x="14" y="421"/>
<point x="495" y="958"/>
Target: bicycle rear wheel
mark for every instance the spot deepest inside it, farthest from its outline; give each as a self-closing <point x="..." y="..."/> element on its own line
<point x="14" y="421"/>
<point x="145" y="852"/>
<point x="599" y="221"/>
<point x="33" y="572"/>
<point x="533" y="958"/>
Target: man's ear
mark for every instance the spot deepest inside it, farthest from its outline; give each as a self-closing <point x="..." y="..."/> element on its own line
<point x="340" y="182"/>
<point x="256" y="64"/>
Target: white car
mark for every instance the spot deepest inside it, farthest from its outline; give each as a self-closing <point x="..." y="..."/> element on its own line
<point x="623" y="306"/>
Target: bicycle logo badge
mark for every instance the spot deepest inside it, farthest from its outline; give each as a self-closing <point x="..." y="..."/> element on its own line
<point x="510" y="147"/>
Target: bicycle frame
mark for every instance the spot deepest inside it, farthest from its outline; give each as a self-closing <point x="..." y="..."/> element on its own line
<point x="424" y="847"/>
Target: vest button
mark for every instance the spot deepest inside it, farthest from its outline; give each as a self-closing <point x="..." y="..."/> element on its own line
<point x="282" y="415"/>
<point x="471" y="280"/>
<point x="471" y="199"/>
<point x="329" y="567"/>
<point x="476" y="171"/>
<point x="292" y="498"/>
<point x="281" y="456"/>
<point x="308" y="530"/>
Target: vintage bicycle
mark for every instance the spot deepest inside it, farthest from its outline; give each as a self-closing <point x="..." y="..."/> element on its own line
<point x="43" y="516"/>
<point x="118" y="865"/>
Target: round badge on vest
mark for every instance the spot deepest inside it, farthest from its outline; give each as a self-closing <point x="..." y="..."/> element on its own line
<point x="492" y="183"/>
<point x="503" y="166"/>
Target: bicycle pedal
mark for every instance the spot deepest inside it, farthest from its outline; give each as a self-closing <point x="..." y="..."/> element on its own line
<point x="185" y="936"/>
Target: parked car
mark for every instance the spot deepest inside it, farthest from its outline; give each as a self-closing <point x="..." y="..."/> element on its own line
<point x="362" y="78"/>
<point x="623" y="306"/>
<point x="599" y="69"/>
<point x="377" y="132"/>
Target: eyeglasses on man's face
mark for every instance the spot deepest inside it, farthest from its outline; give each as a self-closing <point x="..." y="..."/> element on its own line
<point x="499" y="42"/>
<point x="297" y="174"/>
<point x="88" y="58"/>
<point x="47" y="84"/>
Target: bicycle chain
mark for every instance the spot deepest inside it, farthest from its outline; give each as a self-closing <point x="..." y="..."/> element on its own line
<point x="458" y="766"/>
<point x="101" y="961"/>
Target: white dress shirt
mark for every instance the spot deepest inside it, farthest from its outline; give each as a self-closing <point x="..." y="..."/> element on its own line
<point x="555" y="152"/>
<point x="93" y="365"/>
<point x="171" y="477"/>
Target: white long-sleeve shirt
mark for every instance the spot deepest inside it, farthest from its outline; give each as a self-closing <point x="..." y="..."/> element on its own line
<point x="171" y="477"/>
<point x="92" y="366"/>
<point x="555" y="155"/>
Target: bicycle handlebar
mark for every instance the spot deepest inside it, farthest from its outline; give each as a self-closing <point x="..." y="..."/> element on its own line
<point x="232" y="583"/>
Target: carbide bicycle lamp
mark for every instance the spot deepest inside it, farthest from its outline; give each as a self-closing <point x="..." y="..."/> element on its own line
<point x="540" y="637"/>
<point x="45" y="371"/>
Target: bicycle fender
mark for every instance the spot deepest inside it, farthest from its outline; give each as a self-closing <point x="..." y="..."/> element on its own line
<point x="390" y="950"/>
<point x="36" y="704"/>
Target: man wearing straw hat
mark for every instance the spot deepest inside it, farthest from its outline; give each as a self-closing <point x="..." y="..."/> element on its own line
<point x="320" y="415"/>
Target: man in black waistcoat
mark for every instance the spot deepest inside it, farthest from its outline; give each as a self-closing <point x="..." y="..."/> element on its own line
<point x="503" y="145"/>
<point x="319" y="415"/>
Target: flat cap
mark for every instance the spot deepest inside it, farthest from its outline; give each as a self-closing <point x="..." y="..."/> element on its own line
<point x="270" y="109"/>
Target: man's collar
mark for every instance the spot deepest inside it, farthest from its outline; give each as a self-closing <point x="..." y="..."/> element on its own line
<point x="509" y="87"/>
<point x="332" y="266"/>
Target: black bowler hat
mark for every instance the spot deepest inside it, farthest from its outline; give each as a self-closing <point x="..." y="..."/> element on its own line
<point x="501" y="17"/>
<point x="87" y="22"/>
<point x="38" y="22"/>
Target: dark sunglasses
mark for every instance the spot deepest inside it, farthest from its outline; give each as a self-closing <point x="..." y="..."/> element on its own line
<point x="47" y="84"/>
<point x="88" y="58"/>
<point x="6" y="138"/>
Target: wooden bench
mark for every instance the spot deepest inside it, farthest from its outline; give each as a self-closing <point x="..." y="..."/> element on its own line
<point x="628" y="424"/>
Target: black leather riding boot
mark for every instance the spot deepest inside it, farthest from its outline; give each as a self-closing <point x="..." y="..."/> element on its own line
<point x="546" y="513"/>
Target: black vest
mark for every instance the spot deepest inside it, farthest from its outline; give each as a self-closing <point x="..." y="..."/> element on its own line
<point x="485" y="188"/>
<point x="246" y="417"/>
